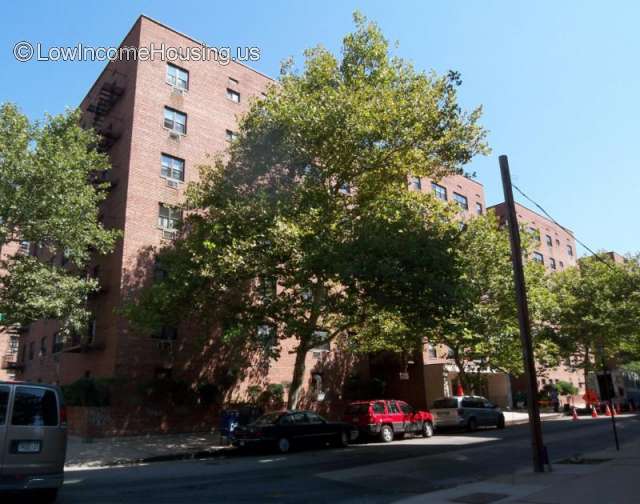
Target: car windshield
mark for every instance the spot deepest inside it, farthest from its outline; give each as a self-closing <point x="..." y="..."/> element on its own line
<point x="357" y="408"/>
<point x="268" y="419"/>
<point x="448" y="402"/>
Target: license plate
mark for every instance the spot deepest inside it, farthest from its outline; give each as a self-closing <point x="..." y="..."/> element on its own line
<point x="28" y="447"/>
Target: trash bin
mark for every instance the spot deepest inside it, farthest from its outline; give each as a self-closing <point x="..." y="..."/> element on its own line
<point x="228" y="422"/>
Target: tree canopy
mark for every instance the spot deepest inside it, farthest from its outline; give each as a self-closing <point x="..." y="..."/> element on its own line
<point x="48" y="199"/>
<point x="306" y="226"/>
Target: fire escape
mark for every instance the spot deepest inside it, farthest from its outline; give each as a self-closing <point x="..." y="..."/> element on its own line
<point x="109" y="92"/>
<point x="9" y="361"/>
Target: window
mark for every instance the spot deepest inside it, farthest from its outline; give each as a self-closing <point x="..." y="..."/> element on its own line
<point x="552" y="263"/>
<point x="4" y="404"/>
<point x="557" y="242"/>
<point x="535" y="233"/>
<point x="234" y="96"/>
<point x="35" y="406"/>
<point x="392" y="407"/>
<point x="43" y="346"/>
<point x="321" y="343"/>
<point x="177" y="77"/>
<point x="230" y="136"/>
<point x="570" y="250"/>
<point x="479" y="208"/>
<point x="175" y="121"/>
<point x="58" y="342"/>
<point x="32" y="348"/>
<point x="169" y="217"/>
<point x="233" y="82"/>
<point x="549" y="241"/>
<point x="25" y="246"/>
<point x="166" y="333"/>
<point x="440" y="192"/>
<point x="461" y="200"/>
<point x="267" y="288"/>
<point x="378" y="407"/>
<point x="172" y="167"/>
<point x="345" y="188"/>
<point x="406" y="409"/>
<point x="431" y="351"/>
<point x="416" y="183"/>
<point x="14" y="344"/>
<point x="267" y="334"/>
<point x="538" y="257"/>
<point x="313" y="418"/>
<point x="561" y="265"/>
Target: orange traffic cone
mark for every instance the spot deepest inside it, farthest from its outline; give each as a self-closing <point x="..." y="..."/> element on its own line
<point x="594" y="412"/>
<point x="607" y="411"/>
<point x="574" y="414"/>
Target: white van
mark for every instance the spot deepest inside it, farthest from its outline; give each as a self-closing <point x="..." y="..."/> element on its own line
<point x="33" y="438"/>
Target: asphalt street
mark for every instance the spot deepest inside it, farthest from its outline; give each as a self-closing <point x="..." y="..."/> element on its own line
<point x="371" y="472"/>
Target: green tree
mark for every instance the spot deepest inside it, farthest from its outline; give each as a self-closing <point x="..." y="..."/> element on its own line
<point x="47" y="198"/>
<point x="482" y="332"/>
<point x="306" y="226"/>
<point x="596" y="317"/>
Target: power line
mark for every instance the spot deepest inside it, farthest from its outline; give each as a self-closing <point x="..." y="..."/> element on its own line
<point x="594" y="254"/>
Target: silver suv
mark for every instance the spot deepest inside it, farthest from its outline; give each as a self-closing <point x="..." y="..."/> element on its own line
<point x="469" y="412"/>
<point x="33" y="438"/>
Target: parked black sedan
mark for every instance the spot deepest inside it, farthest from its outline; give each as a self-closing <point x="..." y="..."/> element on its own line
<point x="283" y="430"/>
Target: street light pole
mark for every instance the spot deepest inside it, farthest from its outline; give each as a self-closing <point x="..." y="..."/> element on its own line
<point x="523" y="320"/>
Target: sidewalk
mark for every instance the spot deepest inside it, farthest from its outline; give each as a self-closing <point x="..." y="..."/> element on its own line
<point x="606" y="476"/>
<point x="520" y="417"/>
<point x="137" y="449"/>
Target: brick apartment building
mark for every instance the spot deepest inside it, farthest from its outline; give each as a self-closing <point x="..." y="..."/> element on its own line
<point x="10" y="336"/>
<point x="159" y="121"/>
<point x="555" y="248"/>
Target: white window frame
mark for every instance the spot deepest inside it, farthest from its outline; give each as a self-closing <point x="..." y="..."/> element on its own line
<point x="233" y="95"/>
<point x="172" y="218"/>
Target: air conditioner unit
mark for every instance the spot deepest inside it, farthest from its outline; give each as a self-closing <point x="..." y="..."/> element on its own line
<point x="177" y="91"/>
<point x="168" y="234"/>
<point x="173" y="184"/>
<point x="174" y="135"/>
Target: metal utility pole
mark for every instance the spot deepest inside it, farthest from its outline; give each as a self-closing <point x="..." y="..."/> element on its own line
<point x="523" y="320"/>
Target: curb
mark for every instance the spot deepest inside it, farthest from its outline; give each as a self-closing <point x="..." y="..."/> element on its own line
<point x="543" y="419"/>
<point x="200" y="454"/>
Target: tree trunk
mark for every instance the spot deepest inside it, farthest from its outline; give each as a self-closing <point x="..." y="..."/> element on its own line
<point x="298" y="376"/>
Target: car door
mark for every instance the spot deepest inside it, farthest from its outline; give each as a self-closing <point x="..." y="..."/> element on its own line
<point x="35" y="435"/>
<point x="408" y="417"/>
<point x="396" y="417"/>
<point x="5" y="393"/>
<point x="300" y="429"/>
<point x="320" y="430"/>
<point x="491" y="412"/>
<point x="484" y="413"/>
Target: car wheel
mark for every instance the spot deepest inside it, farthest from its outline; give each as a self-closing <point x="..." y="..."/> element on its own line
<point x="284" y="445"/>
<point x="386" y="433"/>
<point x="427" y="429"/>
<point x="472" y="425"/>
<point x="500" y="424"/>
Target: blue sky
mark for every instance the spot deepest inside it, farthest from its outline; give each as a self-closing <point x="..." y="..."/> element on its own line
<point x="559" y="81"/>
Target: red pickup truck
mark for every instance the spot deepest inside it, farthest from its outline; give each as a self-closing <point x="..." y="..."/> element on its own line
<point x="388" y="418"/>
